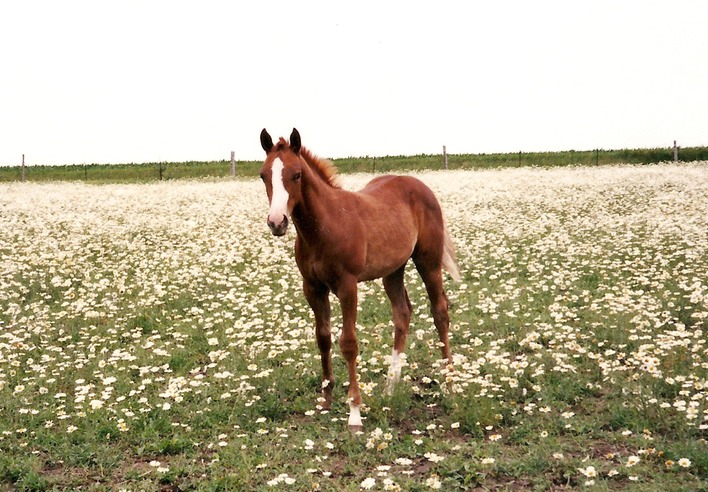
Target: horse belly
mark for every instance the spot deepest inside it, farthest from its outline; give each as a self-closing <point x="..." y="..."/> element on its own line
<point x="373" y="272"/>
<point x="386" y="253"/>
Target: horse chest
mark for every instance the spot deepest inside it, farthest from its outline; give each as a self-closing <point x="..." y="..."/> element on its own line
<point x="327" y="263"/>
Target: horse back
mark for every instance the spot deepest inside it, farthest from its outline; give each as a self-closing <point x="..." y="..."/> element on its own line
<point x="390" y="190"/>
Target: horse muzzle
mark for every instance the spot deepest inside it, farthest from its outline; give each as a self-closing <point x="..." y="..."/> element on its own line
<point x="278" y="229"/>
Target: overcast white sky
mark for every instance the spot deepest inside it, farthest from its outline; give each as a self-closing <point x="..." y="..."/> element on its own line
<point x="144" y="81"/>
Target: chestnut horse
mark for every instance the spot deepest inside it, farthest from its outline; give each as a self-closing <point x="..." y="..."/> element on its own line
<point x="344" y="238"/>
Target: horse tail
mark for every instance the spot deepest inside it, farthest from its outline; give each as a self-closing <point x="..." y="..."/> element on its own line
<point x="448" y="260"/>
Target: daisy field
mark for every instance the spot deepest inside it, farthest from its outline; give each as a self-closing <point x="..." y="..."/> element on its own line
<point x="155" y="337"/>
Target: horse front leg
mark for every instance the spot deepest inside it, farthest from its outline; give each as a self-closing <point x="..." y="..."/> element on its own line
<point x="317" y="296"/>
<point x="347" y="294"/>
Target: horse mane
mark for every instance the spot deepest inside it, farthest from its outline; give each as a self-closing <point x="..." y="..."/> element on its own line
<point x="324" y="168"/>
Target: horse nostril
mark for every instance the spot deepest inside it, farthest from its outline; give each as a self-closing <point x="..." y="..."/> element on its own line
<point x="278" y="229"/>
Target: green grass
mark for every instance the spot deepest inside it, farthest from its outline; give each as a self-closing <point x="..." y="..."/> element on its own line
<point x="129" y="337"/>
<point x="139" y="173"/>
<point x="131" y="173"/>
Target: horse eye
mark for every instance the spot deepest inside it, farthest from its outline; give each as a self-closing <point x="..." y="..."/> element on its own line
<point x="297" y="176"/>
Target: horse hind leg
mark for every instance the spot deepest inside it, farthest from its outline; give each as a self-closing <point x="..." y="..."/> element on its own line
<point x="431" y="273"/>
<point x="401" y="309"/>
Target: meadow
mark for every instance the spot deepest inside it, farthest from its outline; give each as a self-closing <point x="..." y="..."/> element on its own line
<point x="154" y="337"/>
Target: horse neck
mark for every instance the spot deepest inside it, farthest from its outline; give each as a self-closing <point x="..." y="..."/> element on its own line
<point x="315" y="211"/>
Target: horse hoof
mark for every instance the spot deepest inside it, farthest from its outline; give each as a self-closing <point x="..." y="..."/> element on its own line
<point x="390" y="386"/>
<point x="324" y="403"/>
<point x="355" y="429"/>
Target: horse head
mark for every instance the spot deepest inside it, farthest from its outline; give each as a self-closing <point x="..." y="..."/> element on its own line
<point x="281" y="173"/>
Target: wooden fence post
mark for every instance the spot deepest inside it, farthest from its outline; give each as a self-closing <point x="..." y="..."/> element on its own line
<point x="233" y="163"/>
<point x="445" y="156"/>
<point x="23" y="168"/>
<point x="675" y="152"/>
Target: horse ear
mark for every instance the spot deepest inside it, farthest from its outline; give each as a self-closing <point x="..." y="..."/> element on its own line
<point x="295" y="143"/>
<point x="266" y="141"/>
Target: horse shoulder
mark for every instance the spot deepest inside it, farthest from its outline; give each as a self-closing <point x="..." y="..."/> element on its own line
<point x="335" y="249"/>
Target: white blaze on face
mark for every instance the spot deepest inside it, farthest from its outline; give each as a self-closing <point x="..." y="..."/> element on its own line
<point x="279" y="200"/>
